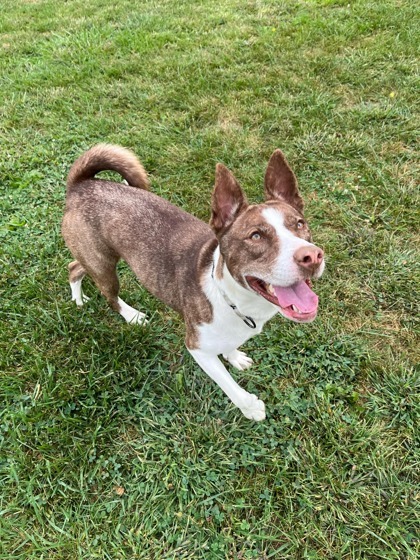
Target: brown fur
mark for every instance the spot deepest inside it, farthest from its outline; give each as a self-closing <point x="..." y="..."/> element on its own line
<point x="111" y="158"/>
<point x="173" y="254"/>
<point x="262" y="253"/>
<point x="105" y="221"/>
<point x="167" y="248"/>
<point x="281" y="183"/>
<point x="228" y="200"/>
<point x="234" y="221"/>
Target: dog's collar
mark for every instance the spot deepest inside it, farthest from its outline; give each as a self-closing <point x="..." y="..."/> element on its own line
<point x="249" y="321"/>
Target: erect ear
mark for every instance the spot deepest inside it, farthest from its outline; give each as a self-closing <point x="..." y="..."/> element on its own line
<point x="280" y="181"/>
<point x="228" y="200"/>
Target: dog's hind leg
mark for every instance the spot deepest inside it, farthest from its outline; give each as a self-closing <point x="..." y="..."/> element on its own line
<point x="104" y="274"/>
<point x="76" y="274"/>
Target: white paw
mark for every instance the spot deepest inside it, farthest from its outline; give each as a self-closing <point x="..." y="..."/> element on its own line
<point x="138" y="318"/>
<point x="131" y="315"/>
<point x="253" y="408"/>
<point x="80" y="299"/>
<point x="239" y="360"/>
<point x="76" y="293"/>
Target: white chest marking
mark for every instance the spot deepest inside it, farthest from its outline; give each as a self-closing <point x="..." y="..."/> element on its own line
<point x="286" y="271"/>
<point x="228" y="330"/>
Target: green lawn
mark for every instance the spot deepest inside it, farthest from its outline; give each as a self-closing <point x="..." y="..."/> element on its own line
<point x="113" y="444"/>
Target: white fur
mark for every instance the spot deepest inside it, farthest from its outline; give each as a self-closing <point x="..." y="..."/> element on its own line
<point x="76" y="293"/>
<point x="286" y="271"/>
<point x="227" y="332"/>
<point x="250" y="405"/>
<point x="131" y="315"/>
<point x="239" y="360"/>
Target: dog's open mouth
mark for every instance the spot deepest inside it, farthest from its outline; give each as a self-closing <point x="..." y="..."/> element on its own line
<point x="297" y="302"/>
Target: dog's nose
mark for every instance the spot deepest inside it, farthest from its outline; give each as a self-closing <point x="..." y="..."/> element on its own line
<point x="309" y="257"/>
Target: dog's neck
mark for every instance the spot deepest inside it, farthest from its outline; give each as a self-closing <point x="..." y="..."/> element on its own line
<point x="247" y="303"/>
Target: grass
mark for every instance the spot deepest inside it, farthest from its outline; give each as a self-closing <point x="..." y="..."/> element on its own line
<point x="113" y="444"/>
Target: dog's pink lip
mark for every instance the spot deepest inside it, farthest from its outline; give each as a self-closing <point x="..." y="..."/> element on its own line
<point x="260" y="287"/>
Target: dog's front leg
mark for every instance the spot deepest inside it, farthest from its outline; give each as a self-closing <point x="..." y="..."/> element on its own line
<point x="251" y="406"/>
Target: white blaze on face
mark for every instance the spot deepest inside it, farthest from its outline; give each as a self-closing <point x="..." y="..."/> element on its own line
<point x="286" y="271"/>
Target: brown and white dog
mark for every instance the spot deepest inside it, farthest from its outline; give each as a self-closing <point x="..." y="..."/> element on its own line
<point x="226" y="279"/>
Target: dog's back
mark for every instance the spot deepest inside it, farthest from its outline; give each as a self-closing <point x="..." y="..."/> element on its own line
<point x="105" y="221"/>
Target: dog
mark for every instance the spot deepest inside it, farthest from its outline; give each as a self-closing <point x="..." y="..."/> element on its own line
<point x="226" y="278"/>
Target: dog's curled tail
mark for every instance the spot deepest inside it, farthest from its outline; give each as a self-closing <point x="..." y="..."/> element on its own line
<point x="107" y="157"/>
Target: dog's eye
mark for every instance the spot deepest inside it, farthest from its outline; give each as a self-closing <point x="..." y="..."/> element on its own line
<point x="255" y="236"/>
<point x="300" y="224"/>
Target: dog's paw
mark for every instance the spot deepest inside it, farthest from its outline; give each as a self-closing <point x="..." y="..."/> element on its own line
<point x="253" y="408"/>
<point x="80" y="299"/>
<point x="137" y="318"/>
<point x="131" y="315"/>
<point x="76" y="293"/>
<point x="239" y="360"/>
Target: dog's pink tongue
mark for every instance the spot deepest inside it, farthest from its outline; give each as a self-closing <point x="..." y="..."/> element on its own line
<point x="300" y="295"/>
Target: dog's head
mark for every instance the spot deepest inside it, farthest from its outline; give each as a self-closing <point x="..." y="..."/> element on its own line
<point x="267" y="247"/>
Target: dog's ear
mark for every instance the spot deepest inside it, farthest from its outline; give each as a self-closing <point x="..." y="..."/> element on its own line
<point x="280" y="181"/>
<point x="228" y="200"/>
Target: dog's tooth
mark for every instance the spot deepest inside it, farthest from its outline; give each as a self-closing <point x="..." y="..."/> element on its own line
<point x="296" y="309"/>
<point x="270" y="289"/>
